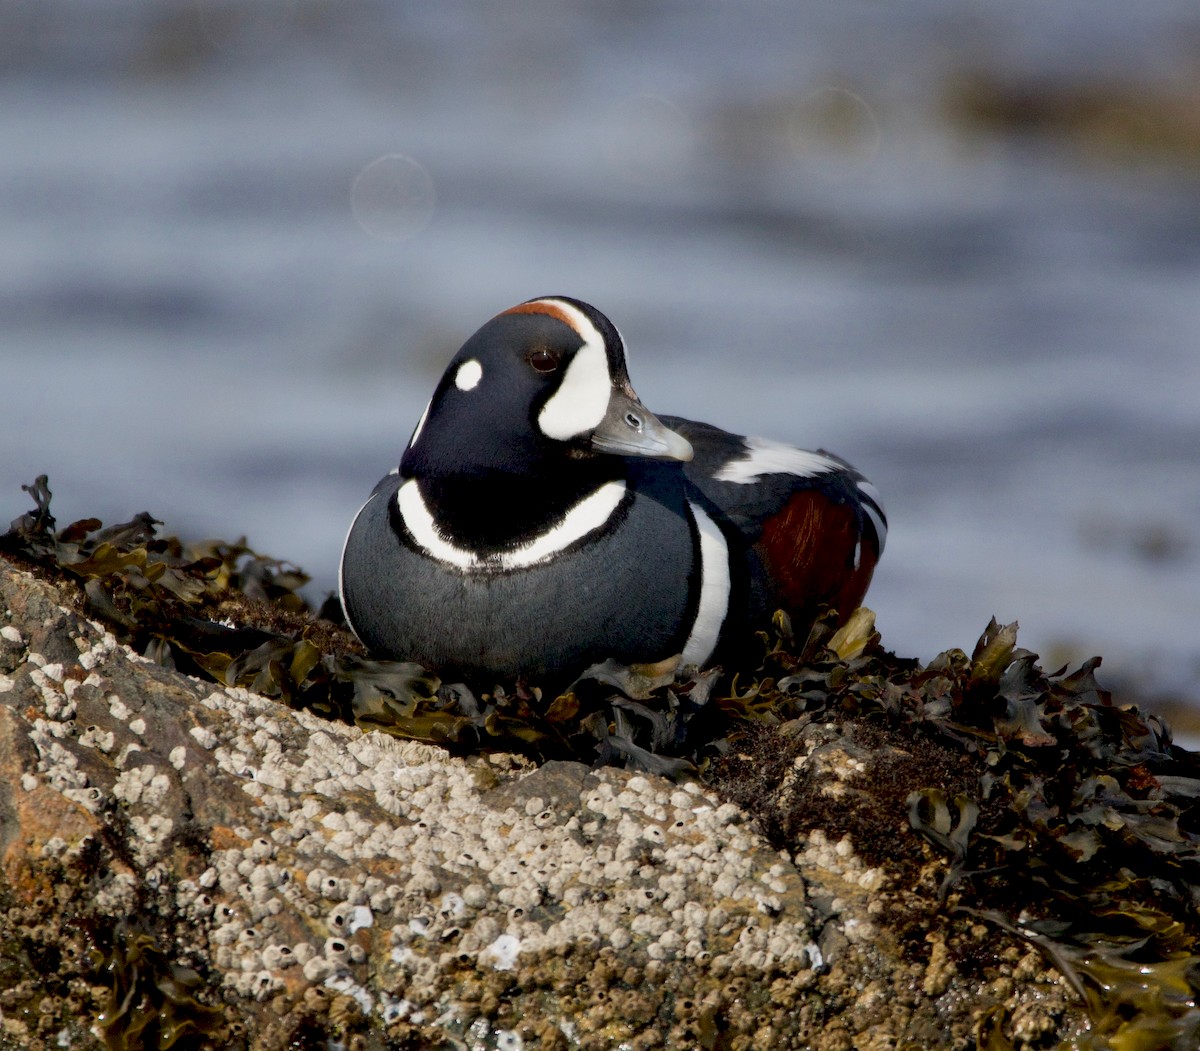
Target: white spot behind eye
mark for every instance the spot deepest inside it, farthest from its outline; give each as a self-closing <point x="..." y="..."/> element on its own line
<point x="468" y="375"/>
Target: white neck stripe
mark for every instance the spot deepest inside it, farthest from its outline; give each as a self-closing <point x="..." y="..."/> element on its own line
<point x="420" y="424"/>
<point x="587" y="516"/>
<point x="715" y="585"/>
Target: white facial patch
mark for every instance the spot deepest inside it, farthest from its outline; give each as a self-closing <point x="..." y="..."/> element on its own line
<point x="468" y="375"/>
<point x="714" y="590"/>
<point x="763" y="456"/>
<point x="581" y="400"/>
<point x="587" y="516"/>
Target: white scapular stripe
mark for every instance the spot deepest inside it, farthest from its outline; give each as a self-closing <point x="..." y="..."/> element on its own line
<point x="764" y="456"/>
<point x="877" y="521"/>
<point x="468" y="375"/>
<point x="581" y="400"/>
<point x="868" y="490"/>
<point x="714" y="590"/>
<point x="590" y="514"/>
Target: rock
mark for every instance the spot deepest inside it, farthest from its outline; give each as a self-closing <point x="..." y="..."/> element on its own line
<point x="186" y="865"/>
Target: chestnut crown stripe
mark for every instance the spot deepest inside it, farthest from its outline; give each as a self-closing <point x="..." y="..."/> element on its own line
<point x="546" y="306"/>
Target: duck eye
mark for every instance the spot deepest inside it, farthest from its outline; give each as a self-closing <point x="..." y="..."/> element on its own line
<point x="543" y="360"/>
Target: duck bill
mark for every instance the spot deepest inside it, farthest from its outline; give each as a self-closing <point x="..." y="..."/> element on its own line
<point x="630" y="429"/>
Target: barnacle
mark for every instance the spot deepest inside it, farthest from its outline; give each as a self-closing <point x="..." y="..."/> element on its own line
<point x="1061" y="818"/>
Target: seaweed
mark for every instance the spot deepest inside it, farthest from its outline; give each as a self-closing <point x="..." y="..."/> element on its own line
<point x="1076" y="829"/>
<point x="152" y="999"/>
<point x="1064" y="819"/>
<point x="223" y="611"/>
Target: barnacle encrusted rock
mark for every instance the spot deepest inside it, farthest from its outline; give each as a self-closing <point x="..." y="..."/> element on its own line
<point x="186" y="865"/>
<point x="190" y="864"/>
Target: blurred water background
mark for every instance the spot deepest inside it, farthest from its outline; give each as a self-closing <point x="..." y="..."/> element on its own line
<point x="956" y="242"/>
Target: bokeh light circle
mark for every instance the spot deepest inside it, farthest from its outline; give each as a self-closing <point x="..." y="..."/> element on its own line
<point x="392" y="197"/>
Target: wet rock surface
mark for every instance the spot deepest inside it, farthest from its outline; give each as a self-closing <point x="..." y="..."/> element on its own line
<point x="185" y="865"/>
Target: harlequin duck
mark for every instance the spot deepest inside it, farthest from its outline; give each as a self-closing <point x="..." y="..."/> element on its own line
<point x="541" y="519"/>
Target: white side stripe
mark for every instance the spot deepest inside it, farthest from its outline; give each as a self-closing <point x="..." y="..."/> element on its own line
<point x="714" y="590"/>
<point x="872" y="504"/>
<point x="877" y="521"/>
<point x="763" y="456"/>
<point x="590" y="514"/>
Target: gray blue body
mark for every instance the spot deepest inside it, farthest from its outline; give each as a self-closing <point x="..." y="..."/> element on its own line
<point x="627" y="592"/>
